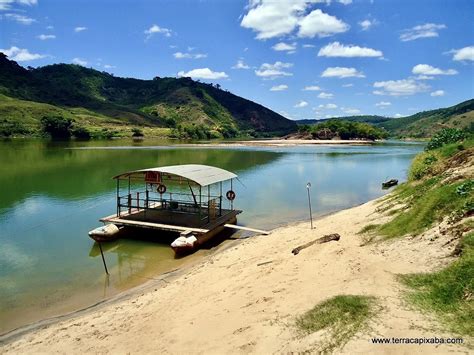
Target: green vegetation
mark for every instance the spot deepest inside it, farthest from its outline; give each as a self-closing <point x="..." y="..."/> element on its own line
<point x="341" y="316"/>
<point x="420" y="125"/>
<point x="56" y="126"/>
<point x="368" y="228"/>
<point x="429" y="195"/>
<point x="343" y="130"/>
<point x="429" y="202"/>
<point x="437" y="190"/>
<point x="446" y="136"/>
<point x="96" y="101"/>
<point x="449" y="292"/>
<point x="137" y="132"/>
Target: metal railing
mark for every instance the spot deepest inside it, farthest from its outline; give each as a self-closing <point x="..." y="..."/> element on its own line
<point x="207" y="210"/>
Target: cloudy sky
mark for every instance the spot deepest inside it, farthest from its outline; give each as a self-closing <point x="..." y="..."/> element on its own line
<point x="303" y="59"/>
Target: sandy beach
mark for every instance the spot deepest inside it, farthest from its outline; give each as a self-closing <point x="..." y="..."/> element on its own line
<point x="285" y="142"/>
<point x="282" y="143"/>
<point x="245" y="297"/>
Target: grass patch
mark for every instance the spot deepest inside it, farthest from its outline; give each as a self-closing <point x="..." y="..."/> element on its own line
<point x="448" y="293"/>
<point x="368" y="228"/>
<point x="429" y="202"/>
<point x="342" y="316"/>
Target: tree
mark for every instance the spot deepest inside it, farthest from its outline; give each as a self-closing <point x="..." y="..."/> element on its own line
<point x="56" y="126"/>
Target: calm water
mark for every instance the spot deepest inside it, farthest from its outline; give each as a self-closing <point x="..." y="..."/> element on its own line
<point x="52" y="194"/>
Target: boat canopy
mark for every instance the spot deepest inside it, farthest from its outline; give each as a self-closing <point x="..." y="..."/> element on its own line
<point x="202" y="175"/>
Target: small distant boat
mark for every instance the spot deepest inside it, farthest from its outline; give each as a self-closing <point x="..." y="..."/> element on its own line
<point x="389" y="183"/>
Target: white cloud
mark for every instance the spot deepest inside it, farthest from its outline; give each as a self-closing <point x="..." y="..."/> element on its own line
<point x="466" y="53"/>
<point x="270" y="19"/>
<point x="27" y="2"/>
<point x="341" y="72"/>
<point x="21" y="54"/>
<point x="437" y="93"/>
<point x="312" y="88"/>
<point x="398" y="115"/>
<point x="79" y="61"/>
<point x="421" y="31"/>
<point x="424" y="77"/>
<point x="337" y="49"/>
<point x="328" y="106"/>
<point x="272" y="71"/>
<point x="347" y="85"/>
<point x="301" y="104"/>
<point x="320" y="24"/>
<point x="325" y="95"/>
<point x="383" y="104"/>
<point x="203" y="73"/>
<point x="425" y="69"/>
<point x="80" y="29"/>
<point x="309" y="46"/>
<point x="279" y="87"/>
<point x="180" y="55"/>
<point x="7" y="4"/>
<point x="273" y="18"/>
<point x="281" y="46"/>
<point x="45" y="37"/>
<point x="23" y="20"/>
<point x="399" y="87"/>
<point x="351" y="111"/>
<point x="240" y="65"/>
<point x="108" y="66"/>
<point x="367" y="24"/>
<point x="157" y="29"/>
<point x="50" y="27"/>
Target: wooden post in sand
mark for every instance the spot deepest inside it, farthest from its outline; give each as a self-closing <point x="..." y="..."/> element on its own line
<point x="103" y="259"/>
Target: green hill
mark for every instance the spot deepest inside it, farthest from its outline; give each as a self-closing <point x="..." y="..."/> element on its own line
<point x="420" y="125"/>
<point x="98" y="100"/>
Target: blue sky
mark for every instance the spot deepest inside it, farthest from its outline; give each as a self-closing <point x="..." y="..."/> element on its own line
<point x="303" y="59"/>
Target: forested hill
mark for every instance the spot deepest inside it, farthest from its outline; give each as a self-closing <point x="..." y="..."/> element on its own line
<point x="420" y="125"/>
<point x="98" y="99"/>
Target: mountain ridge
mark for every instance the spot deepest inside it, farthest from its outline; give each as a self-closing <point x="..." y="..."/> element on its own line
<point x="161" y="102"/>
<point x="419" y="125"/>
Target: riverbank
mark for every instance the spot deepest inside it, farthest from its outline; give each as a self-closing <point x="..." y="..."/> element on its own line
<point x="247" y="297"/>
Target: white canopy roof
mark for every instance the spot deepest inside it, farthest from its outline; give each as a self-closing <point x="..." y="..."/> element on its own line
<point x="202" y="175"/>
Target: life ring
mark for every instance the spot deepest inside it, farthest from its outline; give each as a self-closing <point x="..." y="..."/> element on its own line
<point x="230" y="195"/>
<point x="161" y="189"/>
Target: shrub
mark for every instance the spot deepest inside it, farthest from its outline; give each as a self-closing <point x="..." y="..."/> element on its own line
<point x="347" y="130"/>
<point x="304" y="128"/>
<point x="137" y="132"/>
<point x="8" y="129"/>
<point x="446" y="136"/>
<point x="81" y="132"/>
<point x="57" y="126"/>
<point x="228" y="131"/>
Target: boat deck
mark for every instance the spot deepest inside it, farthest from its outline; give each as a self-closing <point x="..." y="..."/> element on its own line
<point x="170" y="221"/>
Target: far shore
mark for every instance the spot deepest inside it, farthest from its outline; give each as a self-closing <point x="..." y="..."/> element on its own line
<point x="245" y="297"/>
<point x="283" y="142"/>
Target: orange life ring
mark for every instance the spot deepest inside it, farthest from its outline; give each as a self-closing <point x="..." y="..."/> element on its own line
<point x="161" y="189"/>
<point x="230" y="195"/>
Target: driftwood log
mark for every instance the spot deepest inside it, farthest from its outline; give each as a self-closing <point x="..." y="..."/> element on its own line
<point x="325" y="239"/>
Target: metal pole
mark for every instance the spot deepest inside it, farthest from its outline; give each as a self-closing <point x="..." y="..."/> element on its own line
<point x="231" y="201"/>
<point x="103" y="259"/>
<point x="308" y="186"/>
<point x="118" y="197"/>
